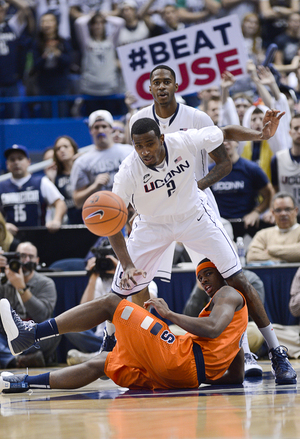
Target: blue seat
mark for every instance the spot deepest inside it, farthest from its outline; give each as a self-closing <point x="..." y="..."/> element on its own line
<point x="69" y="264"/>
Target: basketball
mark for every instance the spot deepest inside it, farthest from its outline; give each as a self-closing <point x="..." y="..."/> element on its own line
<point x="104" y="213"/>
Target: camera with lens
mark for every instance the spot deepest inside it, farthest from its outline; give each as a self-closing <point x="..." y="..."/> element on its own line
<point x="103" y="264"/>
<point x="13" y="260"/>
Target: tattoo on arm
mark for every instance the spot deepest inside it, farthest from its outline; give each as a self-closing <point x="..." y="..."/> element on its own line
<point x="220" y="170"/>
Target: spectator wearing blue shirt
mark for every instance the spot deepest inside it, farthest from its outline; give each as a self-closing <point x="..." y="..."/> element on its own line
<point x="244" y="194"/>
<point x="52" y="60"/>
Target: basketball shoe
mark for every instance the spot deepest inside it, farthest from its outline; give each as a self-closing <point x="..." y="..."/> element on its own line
<point x="20" y="334"/>
<point x="10" y="383"/>
<point x="252" y="368"/>
<point x="281" y="367"/>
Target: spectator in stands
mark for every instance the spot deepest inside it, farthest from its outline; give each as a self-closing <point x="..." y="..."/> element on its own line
<point x="288" y="42"/>
<point x="138" y="24"/>
<point x="261" y="152"/>
<point x="8" y="242"/>
<point x="220" y="106"/>
<point x="281" y="242"/>
<point x="34" y="296"/>
<point x="285" y="165"/>
<point x="96" y="169"/>
<point x="171" y="18"/>
<point x="274" y="15"/>
<point x="194" y="11"/>
<point x="82" y="7"/>
<point x="268" y="88"/>
<point x="252" y="39"/>
<point x="24" y="197"/>
<point x="237" y="7"/>
<point x="13" y="48"/>
<point x="59" y="8"/>
<point x="100" y="73"/>
<point x="118" y="131"/>
<point x="65" y="149"/>
<point x="50" y="170"/>
<point x="51" y="63"/>
<point x="242" y="102"/>
<point x="206" y="94"/>
<point x="245" y="193"/>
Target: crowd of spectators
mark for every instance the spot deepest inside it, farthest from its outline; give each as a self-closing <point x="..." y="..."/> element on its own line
<point x="65" y="47"/>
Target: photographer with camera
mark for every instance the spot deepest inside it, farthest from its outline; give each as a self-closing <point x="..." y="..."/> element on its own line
<point x="34" y="296"/>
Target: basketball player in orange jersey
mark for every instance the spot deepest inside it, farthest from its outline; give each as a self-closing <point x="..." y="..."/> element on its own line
<point x="147" y="355"/>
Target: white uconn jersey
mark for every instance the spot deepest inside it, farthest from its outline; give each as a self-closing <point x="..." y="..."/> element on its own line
<point x="288" y="174"/>
<point x="171" y="190"/>
<point x="185" y="117"/>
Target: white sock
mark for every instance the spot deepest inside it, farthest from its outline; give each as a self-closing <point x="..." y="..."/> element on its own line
<point x="110" y="328"/>
<point x="270" y="336"/>
<point x="246" y="343"/>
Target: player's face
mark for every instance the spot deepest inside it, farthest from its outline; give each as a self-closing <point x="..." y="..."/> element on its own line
<point x="163" y="87"/>
<point x="149" y="147"/>
<point x="285" y="212"/>
<point x="211" y="280"/>
<point x="17" y="163"/>
<point x="295" y="131"/>
<point x="63" y="149"/>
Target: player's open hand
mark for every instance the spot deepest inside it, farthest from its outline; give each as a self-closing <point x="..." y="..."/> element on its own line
<point x="160" y="306"/>
<point x="129" y="276"/>
<point x="271" y="122"/>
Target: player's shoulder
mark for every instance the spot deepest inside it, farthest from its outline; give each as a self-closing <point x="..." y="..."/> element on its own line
<point x="143" y="112"/>
<point x="228" y="294"/>
<point x="194" y="116"/>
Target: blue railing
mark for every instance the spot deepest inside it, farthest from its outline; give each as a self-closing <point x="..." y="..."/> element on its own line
<point x="54" y="100"/>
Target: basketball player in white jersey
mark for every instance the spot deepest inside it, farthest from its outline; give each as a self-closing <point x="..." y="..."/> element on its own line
<point x="171" y="117"/>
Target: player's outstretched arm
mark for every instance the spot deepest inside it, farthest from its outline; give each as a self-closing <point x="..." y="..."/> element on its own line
<point x="226" y="301"/>
<point x="239" y="133"/>
<point x="130" y="271"/>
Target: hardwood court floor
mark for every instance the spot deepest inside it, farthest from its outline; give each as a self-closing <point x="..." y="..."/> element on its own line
<point x="257" y="409"/>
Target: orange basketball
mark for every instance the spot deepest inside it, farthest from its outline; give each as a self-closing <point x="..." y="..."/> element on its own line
<point x="104" y="213"/>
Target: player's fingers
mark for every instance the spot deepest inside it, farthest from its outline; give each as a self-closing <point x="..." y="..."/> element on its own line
<point x="280" y="115"/>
